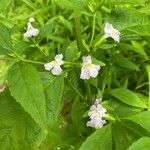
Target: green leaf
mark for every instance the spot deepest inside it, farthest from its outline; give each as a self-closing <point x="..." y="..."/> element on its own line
<point x="18" y="131"/>
<point x="142" y="119"/>
<point x="5" y="39"/>
<point x="26" y="87"/>
<point x="114" y="106"/>
<point x="141" y="144"/>
<point x="128" y="97"/>
<point x="125" y="63"/>
<point x="125" y="133"/>
<point x="136" y="47"/>
<point x="148" y="71"/>
<point x="139" y="48"/>
<point x="98" y="62"/>
<point x="53" y="91"/>
<point x="4" y="4"/>
<point x="101" y="139"/>
<point x="145" y="10"/>
<point x="133" y="26"/>
<point x="77" y="112"/>
<point x="120" y="2"/>
<point x="71" y="52"/>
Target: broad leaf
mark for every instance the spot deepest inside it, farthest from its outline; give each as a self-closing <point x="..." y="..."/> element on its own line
<point x="125" y="63"/>
<point x="5" y="39"/>
<point x="141" y="144"/>
<point x="26" y="87"/>
<point x="53" y="89"/>
<point x="142" y="119"/>
<point x="125" y="133"/>
<point x="127" y="97"/>
<point x="101" y="139"/>
<point x="18" y="131"/>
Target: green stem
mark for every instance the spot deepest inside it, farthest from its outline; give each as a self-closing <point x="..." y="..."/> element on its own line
<point x="93" y="29"/>
<point x="78" y="33"/>
<point x="110" y="118"/>
<point x="100" y="41"/>
<point x="34" y="62"/>
<point x="24" y="60"/>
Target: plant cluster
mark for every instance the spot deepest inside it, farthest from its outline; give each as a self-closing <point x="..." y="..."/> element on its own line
<point x="75" y="75"/>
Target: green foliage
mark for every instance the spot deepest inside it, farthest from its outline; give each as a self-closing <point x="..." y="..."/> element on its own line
<point x="99" y="140"/>
<point x="28" y="92"/>
<point x="40" y="110"/>
<point x="128" y="97"/>
<point x="18" y="129"/>
<point x="142" y="143"/>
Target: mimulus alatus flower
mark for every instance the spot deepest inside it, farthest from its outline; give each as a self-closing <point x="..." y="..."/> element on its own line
<point x="31" y="31"/>
<point x="54" y="65"/>
<point x="97" y="114"/>
<point x="88" y="69"/>
<point x="111" y="32"/>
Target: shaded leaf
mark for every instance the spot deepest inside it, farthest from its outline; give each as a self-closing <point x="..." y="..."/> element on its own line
<point x="101" y="139"/>
<point x="26" y="87"/>
<point x="141" y="144"/>
<point x="128" y="97"/>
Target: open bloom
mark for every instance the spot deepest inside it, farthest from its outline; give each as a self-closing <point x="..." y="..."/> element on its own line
<point x="54" y="65"/>
<point x="31" y="31"/>
<point x="111" y="32"/>
<point x="88" y="69"/>
<point x="97" y="115"/>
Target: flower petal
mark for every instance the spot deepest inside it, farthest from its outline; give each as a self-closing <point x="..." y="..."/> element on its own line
<point x="116" y="35"/>
<point x="94" y="70"/>
<point x="86" y="60"/>
<point x="59" y="57"/>
<point x="48" y="66"/>
<point x="56" y="70"/>
<point x="97" y="101"/>
<point x="108" y="30"/>
<point x="84" y="73"/>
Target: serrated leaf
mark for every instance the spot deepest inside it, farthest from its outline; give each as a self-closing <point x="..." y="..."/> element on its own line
<point x="101" y="139"/>
<point x="26" y="87"/>
<point x="71" y="52"/>
<point x="18" y="131"/>
<point x="5" y="39"/>
<point x="53" y="91"/>
<point x="77" y="111"/>
<point x="125" y="133"/>
<point x="141" y="144"/>
<point x="128" y="97"/>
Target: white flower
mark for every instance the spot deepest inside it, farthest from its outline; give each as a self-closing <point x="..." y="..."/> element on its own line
<point x="54" y="66"/>
<point x="31" y="31"/>
<point x="88" y="69"/>
<point x="97" y="114"/>
<point x="111" y="32"/>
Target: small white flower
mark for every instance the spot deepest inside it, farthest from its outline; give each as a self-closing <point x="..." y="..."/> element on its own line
<point x="54" y="65"/>
<point x="97" y="114"/>
<point x="31" y="31"/>
<point x="88" y="69"/>
<point x="111" y="32"/>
